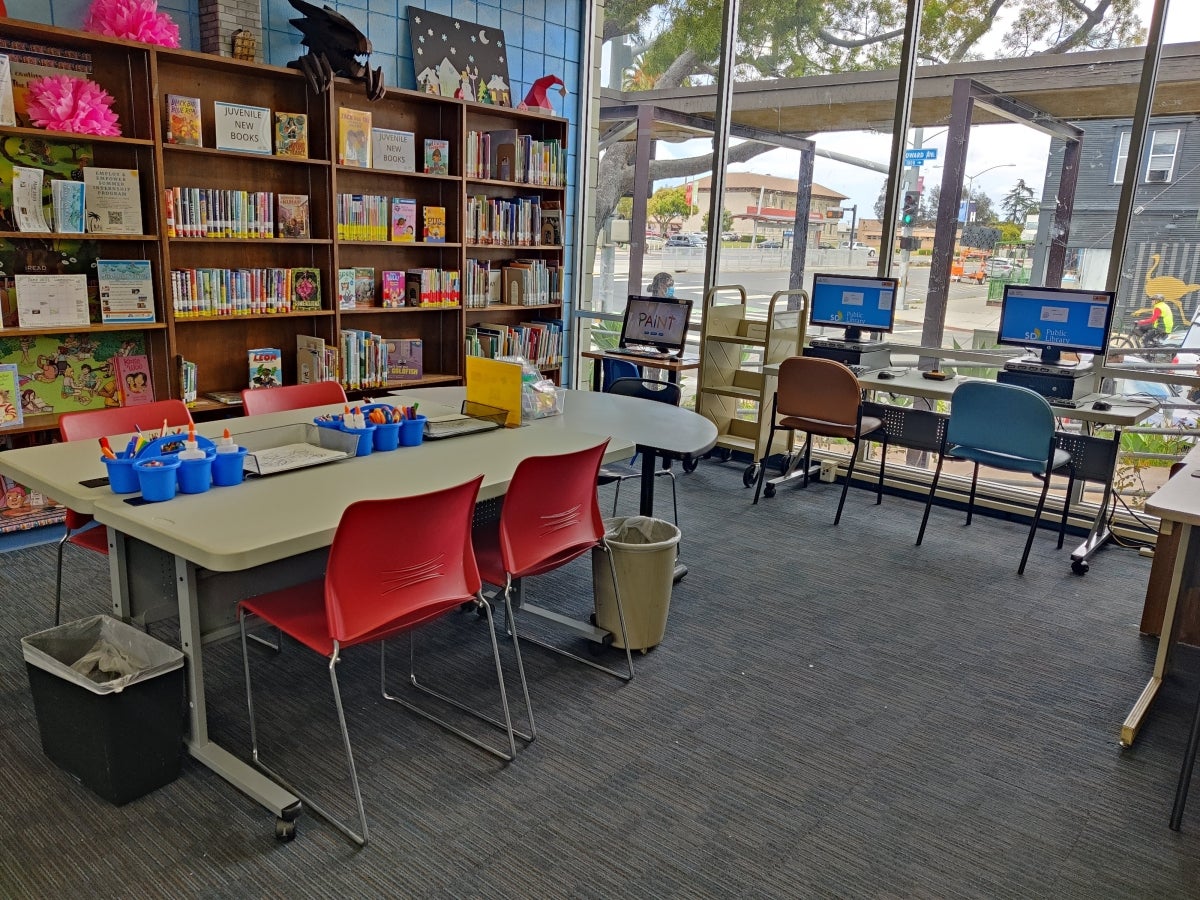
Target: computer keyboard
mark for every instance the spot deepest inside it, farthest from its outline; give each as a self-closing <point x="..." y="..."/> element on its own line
<point x="1064" y="402"/>
<point x="648" y="354"/>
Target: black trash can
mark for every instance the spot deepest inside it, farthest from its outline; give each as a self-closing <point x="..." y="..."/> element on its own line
<point x="110" y="705"/>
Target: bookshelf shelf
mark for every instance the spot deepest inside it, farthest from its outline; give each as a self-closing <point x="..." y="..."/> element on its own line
<point x="81" y="329"/>
<point x="243" y="317"/>
<point x="391" y="173"/>
<point x="392" y="310"/>
<point x="248" y="240"/>
<point x="509" y="307"/>
<point x="234" y="154"/>
<point x="513" y="185"/>
<point x="72" y="137"/>
<point x="403" y="245"/>
<point x="68" y="236"/>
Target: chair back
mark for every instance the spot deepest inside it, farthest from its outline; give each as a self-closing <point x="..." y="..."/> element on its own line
<point x="811" y="388"/>
<point x="391" y="560"/>
<point x="614" y="369"/>
<point x="551" y="512"/>
<point x="647" y="389"/>
<point x="293" y="396"/>
<point x="1001" y="418"/>
<point x="96" y="423"/>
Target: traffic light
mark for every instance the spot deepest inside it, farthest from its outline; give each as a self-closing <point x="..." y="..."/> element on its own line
<point x="908" y="211"/>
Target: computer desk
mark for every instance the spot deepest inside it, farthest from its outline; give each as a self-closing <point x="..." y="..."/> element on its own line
<point x="911" y="383"/>
<point x="672" y="366"/>
<point x="197" y="555"/>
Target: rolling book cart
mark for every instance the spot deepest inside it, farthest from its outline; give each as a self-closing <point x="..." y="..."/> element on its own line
<point x="734" y="394"/>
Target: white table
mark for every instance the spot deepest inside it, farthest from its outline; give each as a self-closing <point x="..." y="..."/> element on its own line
<point x="199" y="554"/>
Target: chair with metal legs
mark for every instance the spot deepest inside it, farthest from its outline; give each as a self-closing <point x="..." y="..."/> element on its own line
<point x="293" y="396"/>
<point x="394" y="566"/>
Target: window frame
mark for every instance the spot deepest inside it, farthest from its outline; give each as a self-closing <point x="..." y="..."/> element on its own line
<point x="1152" y="155"/>
<point x="1122" y="156"/>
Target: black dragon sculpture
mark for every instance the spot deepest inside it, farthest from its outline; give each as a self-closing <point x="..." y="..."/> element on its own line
<point x="335" y="47"/>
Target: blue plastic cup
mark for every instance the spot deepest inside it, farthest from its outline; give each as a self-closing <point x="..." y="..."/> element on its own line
<point x="331" y="422"/>
<point x="387" y="435"/>
<point x="156" y="475"/>
<point x="366" y="439"/>
<point x="412" y="431"/>
<point x="195" y="475"/>
<point x="227" y="469"/>
<point x="121" y="476"/>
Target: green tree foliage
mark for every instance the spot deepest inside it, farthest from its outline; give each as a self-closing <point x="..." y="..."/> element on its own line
<point x="667" y="205"/>
<point x="726" y="221"/>
<point x="1019" y="202"/>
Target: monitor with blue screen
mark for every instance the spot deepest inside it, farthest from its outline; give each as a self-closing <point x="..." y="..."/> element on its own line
<point x="660" y="323"/>
<point x="1055" y="320"/>
<point x="857" y="303"/>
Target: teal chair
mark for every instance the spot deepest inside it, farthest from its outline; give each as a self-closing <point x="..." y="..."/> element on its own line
<point x="1005" y="427"/>
<point x="616" y="369"/>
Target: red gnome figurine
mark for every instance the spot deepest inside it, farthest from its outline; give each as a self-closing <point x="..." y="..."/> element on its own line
<point x="536" y="98"/>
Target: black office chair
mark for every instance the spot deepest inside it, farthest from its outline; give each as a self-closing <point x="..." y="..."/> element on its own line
<point x="613" y="370"/>
<point x="646" y="389"/>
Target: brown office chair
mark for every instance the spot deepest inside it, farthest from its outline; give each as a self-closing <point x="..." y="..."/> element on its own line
<point x="818" y="397"/>
<point x="293" y="396"/>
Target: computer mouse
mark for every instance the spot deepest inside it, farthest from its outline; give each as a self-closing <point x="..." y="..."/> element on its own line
<point x="885" y="375"/>
<point x="1101" y="405"/>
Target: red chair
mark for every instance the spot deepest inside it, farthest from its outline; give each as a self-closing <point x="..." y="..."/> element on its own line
<point x="99" y="423"/>
<point x="394" y="565"/>
<point x="550" y="516"/>
<point x="294" y="396"/>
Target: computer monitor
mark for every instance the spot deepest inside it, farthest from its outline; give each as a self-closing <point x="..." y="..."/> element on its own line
<point x="857" y="303"/>
<point x="1055" y="320"/>
<point x="657" y="322"/>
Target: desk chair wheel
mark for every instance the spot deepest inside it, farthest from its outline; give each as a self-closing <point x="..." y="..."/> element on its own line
<point x="750" y="476"/>
<point x="1080" y="566"/>
<point x="768" y="490"/>
<point x="690" y="463"/>
<point x="285" y="829"/>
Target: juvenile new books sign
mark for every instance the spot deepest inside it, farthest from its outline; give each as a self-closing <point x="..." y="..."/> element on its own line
<point x="243" y="128"/>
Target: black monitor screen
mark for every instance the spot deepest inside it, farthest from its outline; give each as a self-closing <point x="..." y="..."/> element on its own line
<point x="658" y="322"/>
<point x="1055" y="320"/>
<point x="857" y="303"/>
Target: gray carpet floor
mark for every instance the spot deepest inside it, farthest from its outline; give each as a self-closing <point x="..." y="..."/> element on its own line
<point x="834" y="713"/>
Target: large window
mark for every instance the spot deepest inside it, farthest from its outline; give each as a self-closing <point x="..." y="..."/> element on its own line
<point x="1160" y="164"/>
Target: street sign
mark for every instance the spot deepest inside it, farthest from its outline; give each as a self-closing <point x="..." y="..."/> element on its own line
<point x="917" y="157"/>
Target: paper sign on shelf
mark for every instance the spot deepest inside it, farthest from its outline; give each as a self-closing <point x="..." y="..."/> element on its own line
<point x="495" y="383"/>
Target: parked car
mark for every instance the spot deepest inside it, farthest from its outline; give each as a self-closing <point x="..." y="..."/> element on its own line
<point x="730" y="236"/>
<point x="859" y="245"/>
<point x="699" y="238"/>
<point x="1000" y="265"/>
<point x="770" y="245"/>
<point x="825" y="245"/>
<point x="683" y="240"/>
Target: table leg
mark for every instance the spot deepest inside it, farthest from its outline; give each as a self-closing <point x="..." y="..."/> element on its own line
<point x="1097" y="537"/>
<point x="646" y="503"/>
<point x="1162" y="660"/>
<point x="1185" y="773"/>
<point x="597" y="370"/>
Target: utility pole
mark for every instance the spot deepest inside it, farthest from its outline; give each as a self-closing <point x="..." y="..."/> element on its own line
<point x="911" y="183"/>
<point x="853" y="222"/>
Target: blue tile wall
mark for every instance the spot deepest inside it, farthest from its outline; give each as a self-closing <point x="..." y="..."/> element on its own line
<point x="71" y="13"/>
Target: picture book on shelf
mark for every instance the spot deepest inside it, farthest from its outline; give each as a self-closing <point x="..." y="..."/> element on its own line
<point x="10" y="396"/>
<point x="404" y="220"/>
<point x="405" y="359"/>
<point x="552" y="234"/>
<point x="504" y="154"/>
<point x="228" y="398"/>
<point x="435" y="224"/>
<point x="437" y="156"/>
<point x="266" y="367"/>
<point x="183" y="120"/>
<point x="246" y="129"/>
<point x="393" y="289"/>
<point x="306" y="289"/>
<point x="66" y="202"/>
<point x="364" y="287"/>
<point x="292" y="215"/>
<point x="188" y="374"/>
<point x="112" y="200"/>
<point x="291" y="134"/>
<point x="354" y="137"/>
<point x="126" y="290"/>
<point x="345" y="289"/>
<point x="133" y="380"/>
<point x="394" y="151"/>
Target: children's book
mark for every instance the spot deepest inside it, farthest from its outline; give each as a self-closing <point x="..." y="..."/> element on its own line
<point x="345" y="289"/>
<point x="183" y="120"/>
<point x="291" y="134"/>
<point x="126" y="290"/>
<point x="404" y="220"/>
<point x="112" y="200"/>
<point x="306" y="290"/>
<point x="354" y="137"/>
<point x="552" y="234"/>
<point x="393" y="289"/>
<point x="133" y="380"/>
<point x="393" y="150"/>
<point x="66" y="202"/>
<point x="405" y="359"/>
<point x="364" y="287"/>
<point x="504" y="154"/>
<point x="435" y="224"/>
<point x="437" y="156"/>
<point x="293" y="216"/>
<point x="228" y="398"/>
<point x="188" y="374"/>
<point x="266" y="367"/>
<point x="10" y="397"/>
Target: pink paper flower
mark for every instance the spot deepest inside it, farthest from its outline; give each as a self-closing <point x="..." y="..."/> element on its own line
<point x="135" y="20"/>
<point x="63" y="103"/>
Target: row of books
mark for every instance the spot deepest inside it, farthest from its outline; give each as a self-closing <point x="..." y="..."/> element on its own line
<point x="362" y="146"/>
<point x="218" y="213"/>
<point x="516" y="222"/>
<point x="315" y="360"/>
<point x="237" y="126"/>
<point x="539" y="341"/>
<point x="244" y="292"/>
<point x="432" y="288"/>
<point x="371" y="217"/>
<point x="507" y="155"/>
<point x="361" y="359"/>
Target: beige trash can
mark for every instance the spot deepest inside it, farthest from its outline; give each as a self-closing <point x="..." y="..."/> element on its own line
<point x="643" y="551"/>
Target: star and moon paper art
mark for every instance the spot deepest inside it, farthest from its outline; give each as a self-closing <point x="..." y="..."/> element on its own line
<point x="456" y="58"/>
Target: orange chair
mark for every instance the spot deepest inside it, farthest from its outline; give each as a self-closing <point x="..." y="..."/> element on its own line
<point x="540" y="530"/>
<point x="394" y="565"/>
<point x="99" y="423"/>
<point x="294" y="396"/>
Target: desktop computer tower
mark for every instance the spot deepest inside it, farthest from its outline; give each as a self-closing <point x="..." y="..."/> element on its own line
<point x="869" y="356"/>
<point x="1065" y="387"/>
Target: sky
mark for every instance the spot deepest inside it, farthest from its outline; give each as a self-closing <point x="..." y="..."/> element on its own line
<point x="998" y="155"/>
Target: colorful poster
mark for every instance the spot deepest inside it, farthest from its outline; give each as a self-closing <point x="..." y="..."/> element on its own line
<point x="58" y="373"/>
